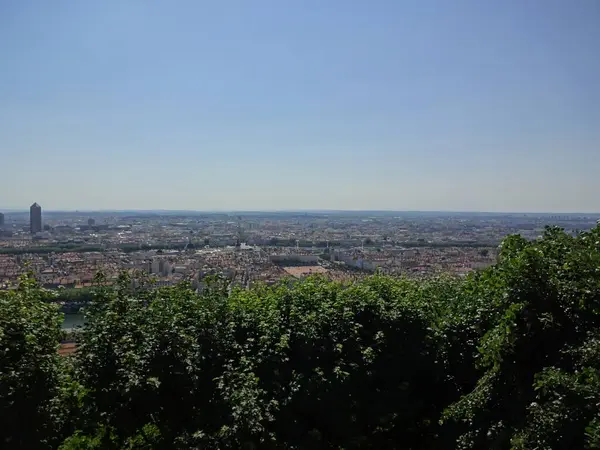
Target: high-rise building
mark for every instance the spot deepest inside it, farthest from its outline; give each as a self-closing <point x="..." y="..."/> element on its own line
<point x="91" y="222"/>
<point x="35" y="218"/>
<point x="1" y="220"/>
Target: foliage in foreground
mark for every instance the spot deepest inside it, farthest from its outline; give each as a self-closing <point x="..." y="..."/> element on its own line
<point x="34" y="379"/>
<point x="508" y="358"/>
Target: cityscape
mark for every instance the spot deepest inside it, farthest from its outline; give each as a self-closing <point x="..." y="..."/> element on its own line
<point x="67" y="249"/>
<point x="276" y="225"/>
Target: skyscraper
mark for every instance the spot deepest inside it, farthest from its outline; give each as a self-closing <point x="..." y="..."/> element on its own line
<point x="1" y="220"/>
<point x="35" y="218"/>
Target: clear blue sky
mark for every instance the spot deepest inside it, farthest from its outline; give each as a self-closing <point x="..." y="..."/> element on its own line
<point x="271" y="104"/>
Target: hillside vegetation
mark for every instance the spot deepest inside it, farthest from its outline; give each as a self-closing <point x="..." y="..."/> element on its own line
<point x="508" y="358"/>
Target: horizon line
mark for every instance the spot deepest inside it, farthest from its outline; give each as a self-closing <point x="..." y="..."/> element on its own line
<point x="299" y="210"/>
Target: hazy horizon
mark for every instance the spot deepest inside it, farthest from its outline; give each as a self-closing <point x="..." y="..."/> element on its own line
<point x="290" y="211"/>
<point x="402" y="106"/>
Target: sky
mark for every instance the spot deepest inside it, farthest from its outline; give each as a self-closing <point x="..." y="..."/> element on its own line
<point x="462" y="105"/>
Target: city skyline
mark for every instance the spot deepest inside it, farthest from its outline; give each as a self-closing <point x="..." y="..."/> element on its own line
<point x="287" y="211"/>
<point x="399" y="106"/>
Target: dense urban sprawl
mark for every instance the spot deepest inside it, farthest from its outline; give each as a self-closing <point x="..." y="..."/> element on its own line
<point x="67" y="249"/>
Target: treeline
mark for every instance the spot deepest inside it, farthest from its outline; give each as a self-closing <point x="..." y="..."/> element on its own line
<point x="41" y="250"/>
<point x="508" y="358"/>
<point x="129" y="248"/>
<point x="279" y="242"/>
<point x="74" y="295"/>
<point x="78" y="248"/>
<point x="448" y="244"/>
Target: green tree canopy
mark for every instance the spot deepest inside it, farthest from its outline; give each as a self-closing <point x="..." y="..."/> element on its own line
<point x="33" y="377"/>
<point x="540" y="386"/>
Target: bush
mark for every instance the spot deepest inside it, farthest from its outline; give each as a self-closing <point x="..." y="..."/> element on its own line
<point x="33" y="378"/>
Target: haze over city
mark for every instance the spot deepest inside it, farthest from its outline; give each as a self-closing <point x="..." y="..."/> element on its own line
<point x="266" y="105"/>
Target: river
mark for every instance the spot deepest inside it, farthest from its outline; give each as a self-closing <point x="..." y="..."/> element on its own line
<point x="73" y="320"/>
